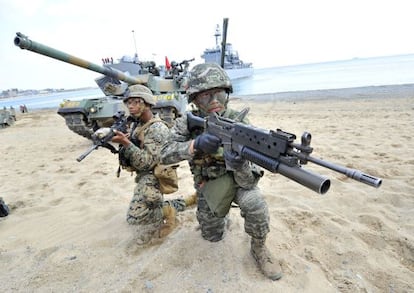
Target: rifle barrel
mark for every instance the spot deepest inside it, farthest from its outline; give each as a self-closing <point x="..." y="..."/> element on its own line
<point x="351" y="173"/>
<point x="85" y="154"/>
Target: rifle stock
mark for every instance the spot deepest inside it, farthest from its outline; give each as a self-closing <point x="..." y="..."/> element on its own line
<point x="275" y="151"/>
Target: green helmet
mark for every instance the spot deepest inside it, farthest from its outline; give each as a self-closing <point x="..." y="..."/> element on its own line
<point x="207" y="76"/>
<point x="140" y="91"/>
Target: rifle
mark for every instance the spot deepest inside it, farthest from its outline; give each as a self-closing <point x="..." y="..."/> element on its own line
<point x="120" y="124"/>
<point x="275" y="151"/>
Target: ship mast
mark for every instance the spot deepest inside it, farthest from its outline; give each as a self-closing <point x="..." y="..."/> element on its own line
<point x="224" y="41"/>
<point x="135" y="44"/>
<point x="217" y="35"/>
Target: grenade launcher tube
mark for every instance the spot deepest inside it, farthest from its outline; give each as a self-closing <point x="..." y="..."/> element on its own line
<point x="304" y="177"/>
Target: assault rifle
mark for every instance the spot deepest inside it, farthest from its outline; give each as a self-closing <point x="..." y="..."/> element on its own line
<point x="120" y="124"/>
<point x="275" y="151"/>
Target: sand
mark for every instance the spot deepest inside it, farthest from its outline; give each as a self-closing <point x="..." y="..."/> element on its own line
<point x="67" y="231"/>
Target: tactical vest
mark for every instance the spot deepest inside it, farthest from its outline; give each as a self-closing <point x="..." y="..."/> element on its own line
<point x="166" y="174"/>
<point x="219" y="187"/>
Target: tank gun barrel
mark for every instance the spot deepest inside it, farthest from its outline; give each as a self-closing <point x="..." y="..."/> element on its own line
<point x="24" y="42"/>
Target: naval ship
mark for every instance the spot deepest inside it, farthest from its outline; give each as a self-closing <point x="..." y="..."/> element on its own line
<point x="233" y="65"/>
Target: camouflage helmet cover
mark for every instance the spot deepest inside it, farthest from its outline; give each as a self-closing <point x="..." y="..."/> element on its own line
<point x="140" y="91"/>
<point x="207" y="76"/>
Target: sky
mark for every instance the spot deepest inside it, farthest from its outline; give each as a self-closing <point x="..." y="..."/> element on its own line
<point x="268" y="33"/>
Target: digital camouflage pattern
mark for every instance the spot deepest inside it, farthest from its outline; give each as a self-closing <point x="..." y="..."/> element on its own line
<point x="208" y="167"/>
<point x="140" y="91"/>
<point x="207" y="76"/>
<point x="145" y="208"/>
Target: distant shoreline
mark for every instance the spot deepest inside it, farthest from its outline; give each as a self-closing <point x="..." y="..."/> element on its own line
<point x="365" y="92"/>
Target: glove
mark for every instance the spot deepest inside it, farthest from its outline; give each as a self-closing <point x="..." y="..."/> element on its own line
<point x="101" y="133"/>
<point x="207" y="143"/>
<point x="233" y="160"/>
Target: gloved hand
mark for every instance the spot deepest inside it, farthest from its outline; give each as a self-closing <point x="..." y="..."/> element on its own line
<point x="207" y="143"/>
<point x="233" y="160"/>
<point x="101" y="132"/>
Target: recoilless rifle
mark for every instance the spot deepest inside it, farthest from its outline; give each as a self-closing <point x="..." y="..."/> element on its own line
<point x="275" y="151"/>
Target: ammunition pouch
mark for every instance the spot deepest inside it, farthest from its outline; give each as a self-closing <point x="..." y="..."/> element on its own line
<point x="167" y="178"/>
<point x="123" y="161"/>
<point x="219" y="194"/>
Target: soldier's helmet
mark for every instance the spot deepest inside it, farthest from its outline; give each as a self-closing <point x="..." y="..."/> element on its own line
<point x="174" y="64"/>
<point x="207" y="76"/>
<point x="140" y="91"/>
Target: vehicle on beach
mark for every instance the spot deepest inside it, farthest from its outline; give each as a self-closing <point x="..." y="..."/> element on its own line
<point x="85" y="116"/>
<point x="7" y="117"/>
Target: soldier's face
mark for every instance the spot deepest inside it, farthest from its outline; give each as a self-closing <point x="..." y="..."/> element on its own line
<point x="135" y="106"/>
<point x="210" y="101"/>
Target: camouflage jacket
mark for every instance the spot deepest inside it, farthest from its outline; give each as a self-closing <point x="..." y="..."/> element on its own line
<point x="204" y="166"/>
<point x="143" y="160"/>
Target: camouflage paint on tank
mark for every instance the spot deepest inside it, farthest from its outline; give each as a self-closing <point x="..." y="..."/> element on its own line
<point x="87" y="115"/>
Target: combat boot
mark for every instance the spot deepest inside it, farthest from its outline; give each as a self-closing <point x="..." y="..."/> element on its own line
<point x="269" y="266"/>
<point x="191" y="200"/>
<point x="181" y="203"/>
<point x="169" y="213"/>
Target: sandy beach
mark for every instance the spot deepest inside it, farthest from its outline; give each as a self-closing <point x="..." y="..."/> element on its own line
<point x="67" y="232"/>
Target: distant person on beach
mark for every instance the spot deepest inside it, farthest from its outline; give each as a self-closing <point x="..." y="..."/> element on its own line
<point x="217" y="187"/>
<point x="23" y="109"/>
<point x="139" y="153"/>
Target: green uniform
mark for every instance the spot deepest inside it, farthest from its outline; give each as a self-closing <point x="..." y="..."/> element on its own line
<point x="218" y="188"/>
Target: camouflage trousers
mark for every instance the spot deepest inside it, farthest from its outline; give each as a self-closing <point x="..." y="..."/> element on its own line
<point x="253" y="208"/>
<point x="145" y="208"/>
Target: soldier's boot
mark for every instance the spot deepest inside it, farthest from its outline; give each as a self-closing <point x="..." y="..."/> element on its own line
<point x="190" y="200"/>
<point x="145" y="233"/>
<point x="169" y="213"/>
<point x="268" y="265"/>
<point x="181" y="203"/>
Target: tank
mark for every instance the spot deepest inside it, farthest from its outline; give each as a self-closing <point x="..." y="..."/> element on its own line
<point x="85" y="116"/>
<point x="7" y="117"/>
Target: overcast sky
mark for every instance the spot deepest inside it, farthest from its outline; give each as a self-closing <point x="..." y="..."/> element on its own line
<point x="267" y="33"/>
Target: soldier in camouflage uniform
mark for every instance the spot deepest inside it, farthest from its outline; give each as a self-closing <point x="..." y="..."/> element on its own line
<point x="147" y="208"/>
<point x="216" y="186"/>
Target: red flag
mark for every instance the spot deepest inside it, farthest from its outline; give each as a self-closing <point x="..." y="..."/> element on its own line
<point x="167" y="63"/>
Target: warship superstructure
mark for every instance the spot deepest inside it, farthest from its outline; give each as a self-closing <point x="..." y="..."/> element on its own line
<point x="233" y="65"/>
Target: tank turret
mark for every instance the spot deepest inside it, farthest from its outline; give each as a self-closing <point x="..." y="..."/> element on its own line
<point x="87" y="115"/>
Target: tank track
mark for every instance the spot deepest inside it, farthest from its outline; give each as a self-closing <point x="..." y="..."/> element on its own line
<point x="76" y="123"/>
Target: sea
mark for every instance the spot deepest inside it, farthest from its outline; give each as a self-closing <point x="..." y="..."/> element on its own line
<point x="357" y="72"/>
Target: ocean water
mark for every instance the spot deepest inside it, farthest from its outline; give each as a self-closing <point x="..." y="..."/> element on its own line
<point x="359" y="72"/>
<point x="391" y="70"/>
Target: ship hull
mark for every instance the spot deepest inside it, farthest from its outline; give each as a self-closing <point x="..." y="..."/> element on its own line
<point x="237" y="73"/>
